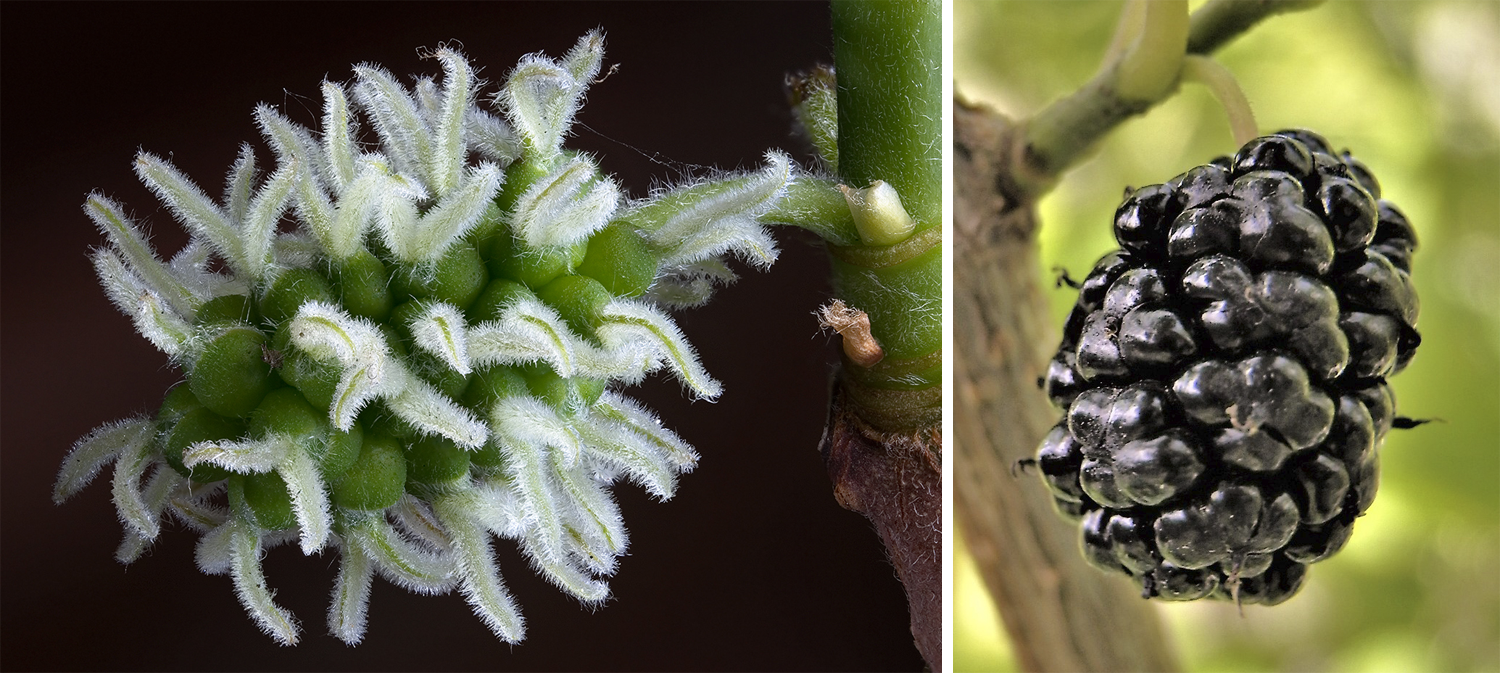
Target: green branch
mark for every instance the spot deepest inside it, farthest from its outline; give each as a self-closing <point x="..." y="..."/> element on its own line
<point x="1218" y="22"/>
<point x="1132" y="79"/>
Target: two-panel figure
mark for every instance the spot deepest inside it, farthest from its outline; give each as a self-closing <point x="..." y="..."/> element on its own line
<point x="862" y="335"/>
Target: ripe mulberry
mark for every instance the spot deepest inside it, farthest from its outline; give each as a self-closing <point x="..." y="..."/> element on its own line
<point x="1223" y="374"/>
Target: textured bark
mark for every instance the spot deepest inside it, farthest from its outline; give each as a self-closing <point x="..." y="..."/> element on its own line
<point x="1061" y="614"/>
<point x="896" y="480"/>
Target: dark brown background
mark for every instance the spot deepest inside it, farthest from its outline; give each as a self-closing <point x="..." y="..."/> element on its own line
<point x="751" y="566"/>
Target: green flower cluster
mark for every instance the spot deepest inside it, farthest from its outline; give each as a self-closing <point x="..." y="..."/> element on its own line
<point x="432" y="356"/>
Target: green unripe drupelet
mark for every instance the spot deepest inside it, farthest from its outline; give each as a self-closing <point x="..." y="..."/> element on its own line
<point x="510" y="258"/>
<point x="315" y="379"/>
<point x="519" y="177"/>
<point x="268" y="498"/>
<point x="232" y="375"/>
<point x="401" y="318"/>
<point x="437" y="372"/>
<point x="394" y="340"/>
<point x="546" y="385"/>
<point x="620" y="260"/>
<point x="363" y="285"/>
<point x="377" y="478"/>
<point x="488" y="387"/>
<point x="336" y="455"/>
<point x="494" y="221"/>
<point x="378" y="418"/>
<point x="292" y="289"/>
<point x="457" y="278"/>
<point x="286" y="412"/>
<point x="227" y="308"/>
<point x="500" y="293"/>
<point x="178" y="402"/>
<point x="198" y="425"/>
<point x="562" y="394"/>
<point x="424" y="364"/>
<point x="579" y="300"/>
<point x="435" y="460"/>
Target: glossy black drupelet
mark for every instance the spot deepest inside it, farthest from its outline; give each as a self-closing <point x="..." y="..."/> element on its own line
<point x="1223" y="375"/>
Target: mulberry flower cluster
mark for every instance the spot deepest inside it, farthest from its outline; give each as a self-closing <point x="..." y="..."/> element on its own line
<point x="431" y="356"/>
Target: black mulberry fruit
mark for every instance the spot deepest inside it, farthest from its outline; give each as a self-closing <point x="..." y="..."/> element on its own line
<point x="1223" y="374"/>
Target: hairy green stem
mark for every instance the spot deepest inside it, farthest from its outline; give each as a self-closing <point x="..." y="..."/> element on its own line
<point x="883" y="442"/>
<point x="815" y="204"/>
<point x="890" y="86"/>
<point x="889" y="60"/>
<point x="1222" y="85"/>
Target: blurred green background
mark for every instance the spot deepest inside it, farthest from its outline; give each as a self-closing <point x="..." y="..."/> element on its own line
<point x="1413" y="90"/>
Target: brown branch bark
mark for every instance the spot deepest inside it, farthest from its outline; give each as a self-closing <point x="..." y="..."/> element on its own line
<point x="895" y="479"/>
<point x="1061" y="614"/>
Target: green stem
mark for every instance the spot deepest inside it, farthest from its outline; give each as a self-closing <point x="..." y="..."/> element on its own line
<point x="888" y="56"/>
<point x="1132" y="18"/>
<point x="817" y="205"/>
<point x="1222" y="85"/>
<point x="1148" y="70"/>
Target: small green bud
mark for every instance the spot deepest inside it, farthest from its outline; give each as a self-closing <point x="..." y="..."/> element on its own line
<point x="458" y="277"/>
<point x="435" y="460"/>
<point x="578" y="299"/>
<point x="178" y="402"/>
<point x="564" y="394"/>
<point x="590" y="390"/>
<point x="492" y="385"/>
<point x="878" y="214"/>
<point x="229" y="308"/>
<point x="338" y="454"/>
<point x="489" y="459"/>
<point x="286" y="412"/>
<point x="500" y="293"/>
<point x="545" y="385"/>
<point x="401" y="318"/>
<point x="493" y="223"/>
<point x="437" y="372"/>
<point x="394" y="338"/>
<point x="379" y="419"/>
<point x="315" y="379"/>
<point x="535" y="267"/>
<point x="519" y="177"/>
